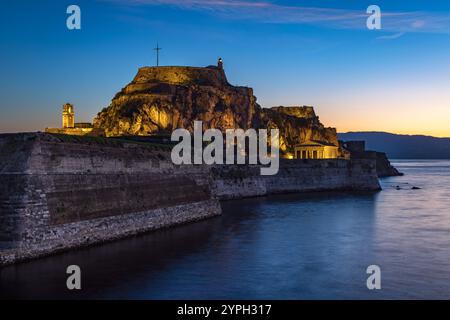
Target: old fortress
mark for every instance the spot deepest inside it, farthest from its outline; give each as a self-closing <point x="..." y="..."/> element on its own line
<point x="161" y="99"/>
<point x="85" y="184"/>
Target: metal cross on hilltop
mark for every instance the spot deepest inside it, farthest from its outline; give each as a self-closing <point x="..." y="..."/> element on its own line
<point x="157" y="49"/>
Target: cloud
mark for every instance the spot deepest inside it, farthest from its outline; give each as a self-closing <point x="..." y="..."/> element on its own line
<point x="418" y="24"/>
<point x="269" y="12"/>
<point x="392" y="36"/>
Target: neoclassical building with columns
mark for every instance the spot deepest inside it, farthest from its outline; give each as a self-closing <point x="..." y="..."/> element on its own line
<point x="316" y="150"/>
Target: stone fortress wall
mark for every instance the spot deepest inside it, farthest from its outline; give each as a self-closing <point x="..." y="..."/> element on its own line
<point x="305" y="112"/>
<point x="181" y="75"/>
<point x="60" y="192"/>
<point x="295" y="176"/>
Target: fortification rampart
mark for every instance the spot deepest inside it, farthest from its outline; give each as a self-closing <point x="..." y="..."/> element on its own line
<point x="305" y="112"/>
<point x="235" y="182"/>
<point x="60" y="192"/>
<point x="181" y="75"/>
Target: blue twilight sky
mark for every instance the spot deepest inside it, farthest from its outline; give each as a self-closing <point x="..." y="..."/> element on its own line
<point x="311" y="52"/>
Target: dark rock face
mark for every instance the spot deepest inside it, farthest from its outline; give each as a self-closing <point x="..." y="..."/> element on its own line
<point x="384" y="167"/>
<point x="162" y="99"/>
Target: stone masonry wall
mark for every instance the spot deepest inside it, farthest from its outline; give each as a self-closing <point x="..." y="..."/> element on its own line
<point x="181" y="75"/>
<point x="66" y="194"/>
<point x="61" y="192"/>
<point x="234" y="182"/>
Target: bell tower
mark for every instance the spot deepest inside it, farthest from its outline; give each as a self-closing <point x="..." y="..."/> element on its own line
<point x="68" y="116"/>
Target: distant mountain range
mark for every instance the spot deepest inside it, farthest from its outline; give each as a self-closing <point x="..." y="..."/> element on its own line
<point x="402" y="146"/>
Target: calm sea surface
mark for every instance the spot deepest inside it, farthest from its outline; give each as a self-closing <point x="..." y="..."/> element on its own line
<point x="311" y="246"/>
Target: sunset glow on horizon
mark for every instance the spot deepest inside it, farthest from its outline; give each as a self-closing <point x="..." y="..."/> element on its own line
<point x="290" y="52"/>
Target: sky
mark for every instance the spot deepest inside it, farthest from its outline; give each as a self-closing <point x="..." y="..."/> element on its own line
<point x="312" y="52"/>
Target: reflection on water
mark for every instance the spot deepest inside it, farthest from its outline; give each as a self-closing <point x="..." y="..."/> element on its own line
<point x="282" y="247"/>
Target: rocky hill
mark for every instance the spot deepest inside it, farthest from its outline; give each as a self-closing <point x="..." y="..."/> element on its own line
<point x="296" y="125"/>
<point x="161" y="99"/>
